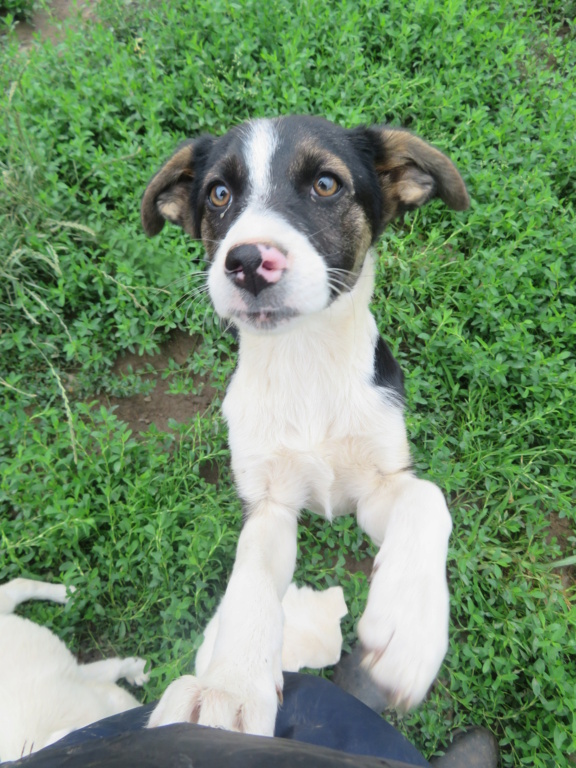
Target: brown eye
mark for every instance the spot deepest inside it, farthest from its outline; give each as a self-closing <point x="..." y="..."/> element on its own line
<point x="219" y="195"/>
<point x="326" y="185"/>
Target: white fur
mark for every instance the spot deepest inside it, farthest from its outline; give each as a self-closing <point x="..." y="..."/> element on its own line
<point x="305" y="284"/>
<point x="404" y="628"/>
<point x="44" y="692"/>
<point x="312" y="636"/>
<point x="259" y="149"/>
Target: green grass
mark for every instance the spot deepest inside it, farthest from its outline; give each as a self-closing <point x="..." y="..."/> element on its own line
<point x="11" y="10"/>
<point x="479" y="307"/>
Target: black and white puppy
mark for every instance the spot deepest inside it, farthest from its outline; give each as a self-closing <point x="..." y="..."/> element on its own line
<point x="288" y="209"/>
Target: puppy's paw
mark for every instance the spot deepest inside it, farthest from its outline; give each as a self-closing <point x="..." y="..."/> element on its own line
<point x="62" y="593"/>
<point x="179" y="703"/>
<point x="133" y="670"/>
<point x="404" y="633"/>
<point x="242" y="708"/>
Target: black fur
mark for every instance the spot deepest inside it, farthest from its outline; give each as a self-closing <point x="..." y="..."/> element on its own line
<point x="387" y="371"/>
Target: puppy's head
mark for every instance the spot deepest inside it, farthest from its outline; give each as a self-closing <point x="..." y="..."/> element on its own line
<point x="287" y="208"/>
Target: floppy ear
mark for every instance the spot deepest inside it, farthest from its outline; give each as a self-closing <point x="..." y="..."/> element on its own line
<point x="168" y="196"/>
<point x="411" y="172"/>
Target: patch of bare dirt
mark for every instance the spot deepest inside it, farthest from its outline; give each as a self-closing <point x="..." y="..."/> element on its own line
<point x="51" y="22"/>
<point x="159" y="406"/>
<point x="562" y="530"/>
<point x="359" y="566"/>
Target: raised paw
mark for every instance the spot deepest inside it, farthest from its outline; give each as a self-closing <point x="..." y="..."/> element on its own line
<point x="133" y="670"/>
<point x="404" y="634"/>
<point x="191" y="700"/>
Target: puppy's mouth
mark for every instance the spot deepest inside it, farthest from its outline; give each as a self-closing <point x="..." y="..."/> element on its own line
<point x="265" y="319"/>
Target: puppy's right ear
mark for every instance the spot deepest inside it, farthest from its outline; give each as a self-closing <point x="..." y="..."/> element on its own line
<point x="168" y="196"/>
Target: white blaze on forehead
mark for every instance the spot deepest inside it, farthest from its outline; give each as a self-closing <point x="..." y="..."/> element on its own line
<point x="260" y="144"/>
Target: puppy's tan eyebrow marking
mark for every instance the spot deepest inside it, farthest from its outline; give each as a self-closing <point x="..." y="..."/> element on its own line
<point x="228" y="168"/>
<point x="310" y="154"/>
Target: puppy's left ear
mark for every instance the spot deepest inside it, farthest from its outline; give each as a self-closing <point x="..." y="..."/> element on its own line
<point x="169" y="194"/>
<point x="412" y="172"/>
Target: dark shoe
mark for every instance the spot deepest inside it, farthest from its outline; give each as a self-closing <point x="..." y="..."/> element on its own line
<point x="353" y="678"/>
<point x="473" y="748"/>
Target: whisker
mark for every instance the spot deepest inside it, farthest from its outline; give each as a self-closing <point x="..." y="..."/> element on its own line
<point x="208" y="310"/>
<point x="187" y="276"/>
<point x="320" y="231"/>
<point x="336" y="290"/>
<point x="341" y="271"/>
<point x="339" y="282"/>
<point x="229" y="326"/>
<point x="347" y="284"/>
<point x="192" y="295"/>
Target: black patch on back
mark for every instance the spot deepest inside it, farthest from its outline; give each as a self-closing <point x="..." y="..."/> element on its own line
<point x="387" y="371"/>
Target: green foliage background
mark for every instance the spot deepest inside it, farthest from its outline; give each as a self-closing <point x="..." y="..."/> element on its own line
<point x="479" y="308"/>
<point x="16" y="9"/>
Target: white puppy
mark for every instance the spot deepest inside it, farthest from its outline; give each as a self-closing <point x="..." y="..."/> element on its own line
<point x="44" y="692"/>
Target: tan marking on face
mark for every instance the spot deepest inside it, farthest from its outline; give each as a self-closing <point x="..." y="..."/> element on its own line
<point x="309" y="149"/>
<point x="362" y="234"/>
<point x="208" y="238"/>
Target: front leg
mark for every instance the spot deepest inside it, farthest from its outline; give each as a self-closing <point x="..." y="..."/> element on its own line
<point x="240" y="688"/>
<point x="404" y="629"/>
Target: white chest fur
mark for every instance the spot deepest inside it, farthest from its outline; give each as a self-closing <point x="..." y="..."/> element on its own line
<point x="306" y="399"/>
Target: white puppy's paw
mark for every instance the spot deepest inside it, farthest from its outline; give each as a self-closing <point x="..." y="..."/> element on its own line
<point x="133" y="670"/>
<point x="404" y="630"/>
<point x="62" y="593"/>
<point x="243" y="708"/>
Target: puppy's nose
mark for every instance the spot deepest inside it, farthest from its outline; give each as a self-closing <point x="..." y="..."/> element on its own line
<point x="255" y="266"/>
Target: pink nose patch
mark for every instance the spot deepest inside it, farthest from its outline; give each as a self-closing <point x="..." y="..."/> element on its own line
<point x="274" y="262"/>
